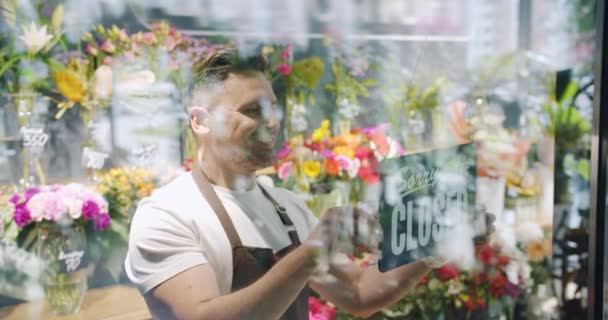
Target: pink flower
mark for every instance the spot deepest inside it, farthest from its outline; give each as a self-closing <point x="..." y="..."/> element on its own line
<point x="90" y="210"/>
<point x="101" y="222"/>
<point x="327" y="154"/>
<point x="107" y="46"/>
<point x="107" y="60"/>
<point x="54" y="208"/>
<point x="344" y="162"/>
<point x="92" y="49"/>
<point x="284" y="69"/>
<point x="148" y="38"/>
<point x="285" y="170"/>
<point x="319" y="311"/>
<point x="286" y="53"/>
<point x="14" y="199"/>
<point x="284" y="152"/>
<point x="36" y="206"/>
<point x="122" y="35"/>
<point x="22" y="215"/>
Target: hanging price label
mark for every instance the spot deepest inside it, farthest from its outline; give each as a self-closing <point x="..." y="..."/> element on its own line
<point x="146" y="154"/>
<point x="34" y="137"/>
<point x="72" y="260"/>
<point x="93" y="159"/>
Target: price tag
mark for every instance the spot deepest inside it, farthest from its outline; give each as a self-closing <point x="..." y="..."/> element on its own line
<point x="34" y="137"/>
<point x="71" y="261"/>
<point x="146" y="154"/>
<point x="93" y="159"/>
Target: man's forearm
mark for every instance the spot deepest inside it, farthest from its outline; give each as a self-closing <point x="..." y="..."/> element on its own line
<point x="270" y="296"/>
<point x="364" y="292"/>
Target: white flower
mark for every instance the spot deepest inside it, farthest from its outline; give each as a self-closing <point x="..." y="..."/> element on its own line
<point x="74" y="206"/>
<point x="455" y="287"/>
<point x="35" y="39"/>
<point x="528" y="232"/>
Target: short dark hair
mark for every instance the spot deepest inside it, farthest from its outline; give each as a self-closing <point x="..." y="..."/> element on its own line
<point x="214" y="67"/>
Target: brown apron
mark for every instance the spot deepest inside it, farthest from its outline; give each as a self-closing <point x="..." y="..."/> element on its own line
<point x="250" y="264"/>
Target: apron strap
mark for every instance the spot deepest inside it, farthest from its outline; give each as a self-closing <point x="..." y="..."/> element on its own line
<point x="282" y="212"/>
<point x="214" y="201"/>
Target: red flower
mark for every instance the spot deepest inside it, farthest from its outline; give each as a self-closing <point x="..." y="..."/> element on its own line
<point x="481" y="303"/>
<point x="486" y="255"/>
<point x="503" y="260"/>
<point x="479" y="278"/>
<point x="424" y="280"/>
<point x="498" y="286"/>
<point x="470" y="304"/>
<point x="368" y="175"/>
<point x="447" y="272"/>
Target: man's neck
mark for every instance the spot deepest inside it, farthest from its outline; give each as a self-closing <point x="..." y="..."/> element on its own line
<point x="226" y="177"/>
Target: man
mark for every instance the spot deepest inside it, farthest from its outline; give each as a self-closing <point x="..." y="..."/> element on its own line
<point x="215" y="244"/>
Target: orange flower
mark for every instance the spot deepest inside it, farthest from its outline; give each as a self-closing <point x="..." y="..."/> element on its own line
<point x="332" y="167"/>
<point x="537" y="250"/>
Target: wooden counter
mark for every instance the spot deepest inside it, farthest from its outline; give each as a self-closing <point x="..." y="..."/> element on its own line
<point x="112" y="303"/>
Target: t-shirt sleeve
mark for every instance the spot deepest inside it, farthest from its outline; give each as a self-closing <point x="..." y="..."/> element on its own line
<point x="161" y="245"/>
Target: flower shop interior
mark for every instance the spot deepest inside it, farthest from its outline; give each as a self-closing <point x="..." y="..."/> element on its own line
<point x="461" y="109"/>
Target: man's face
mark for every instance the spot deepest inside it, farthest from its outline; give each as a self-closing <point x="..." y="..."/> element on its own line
<point x="243" y="123"/>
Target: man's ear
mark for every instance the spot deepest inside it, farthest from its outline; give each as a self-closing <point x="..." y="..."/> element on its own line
<point x="198" y="119"/>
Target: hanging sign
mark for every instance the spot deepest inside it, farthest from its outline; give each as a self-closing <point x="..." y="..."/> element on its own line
<point x="425" y="195"/>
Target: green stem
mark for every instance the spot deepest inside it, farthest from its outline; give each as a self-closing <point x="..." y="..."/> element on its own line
<point x="10" y="63"/>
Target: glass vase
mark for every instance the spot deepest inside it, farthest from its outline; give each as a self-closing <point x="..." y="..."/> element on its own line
<point x="62" y="247"/>
<point x="30" y="112"/>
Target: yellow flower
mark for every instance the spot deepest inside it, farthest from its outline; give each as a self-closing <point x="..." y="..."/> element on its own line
<point x="322" y="132"/>
<point x="311" y="168"/>
<point x="537" y="250"/>
<point x="70" y="86"/>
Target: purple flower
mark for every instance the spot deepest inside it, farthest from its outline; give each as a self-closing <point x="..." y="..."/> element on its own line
<point x="30" y="192"/>
<point x="14" y="199"/>
<point x="512" y="290"/>
<point x="90" y="210"/>
<point x="101" y="222"/>
<point x="22" y="215"/>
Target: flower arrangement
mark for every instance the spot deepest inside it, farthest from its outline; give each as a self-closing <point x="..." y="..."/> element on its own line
<point x="350" y="83"/>
<point x="323" y="158"/>
<point x="299" y="79"/>
<point x="318" y="310"/>
<point x="461" y="294"/>
<point x="123" y="188"/>
<point x="63" y="204"/>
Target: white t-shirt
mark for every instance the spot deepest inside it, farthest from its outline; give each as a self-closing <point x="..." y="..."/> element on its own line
<point x="175" y="229"/>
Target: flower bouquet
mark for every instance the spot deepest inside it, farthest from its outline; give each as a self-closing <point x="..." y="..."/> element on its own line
<point x="56" y="216"/>
<point x="339" y="166"/>
<point x="123" y="188"/>
<point x="483" y="292"/>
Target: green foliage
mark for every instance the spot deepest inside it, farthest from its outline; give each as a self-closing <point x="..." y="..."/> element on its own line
<point x="346" y="85"/>
<point x="566" y="122"/>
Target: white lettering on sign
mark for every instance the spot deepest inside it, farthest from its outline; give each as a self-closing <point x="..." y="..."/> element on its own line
<point x="93" y="159"/>
<point x="411" y="180"/>
<point x="428" y="215"/>
<point x="34" y="137"/>
<point x="72" y="259"/>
